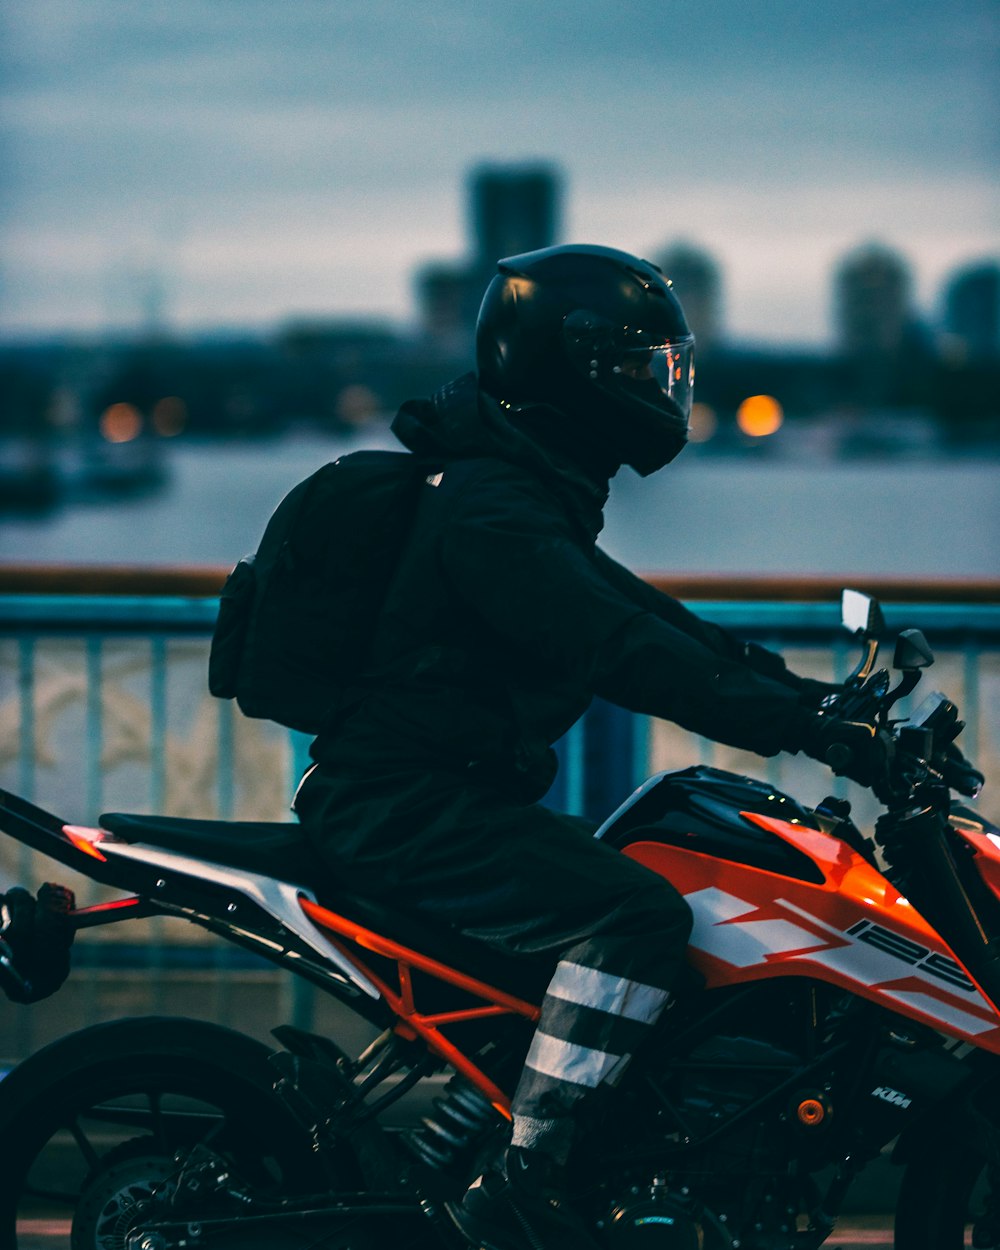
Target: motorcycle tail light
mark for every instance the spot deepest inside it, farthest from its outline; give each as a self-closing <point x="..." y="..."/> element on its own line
<point x="86" y="840"/>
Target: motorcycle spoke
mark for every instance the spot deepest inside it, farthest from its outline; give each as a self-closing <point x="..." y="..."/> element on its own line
<point x="90" y="1155"/>
<point x="157" y="1121"/>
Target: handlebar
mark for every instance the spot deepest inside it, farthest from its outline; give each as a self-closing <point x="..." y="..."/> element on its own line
<point x="920" y="751"/>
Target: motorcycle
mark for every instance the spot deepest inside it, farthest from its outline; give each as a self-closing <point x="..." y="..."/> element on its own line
<point x="843" y="998"/>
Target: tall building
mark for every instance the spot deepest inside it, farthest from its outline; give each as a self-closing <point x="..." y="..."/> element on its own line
<point x="511" y="209"/>
<point x="446" y="294"/>
<point x="972" y="310"/>
<point x="872" y="297"/>
<point x="877" y="333"/>
<point x="698" y="283"/>
<point x="514" y="208"/>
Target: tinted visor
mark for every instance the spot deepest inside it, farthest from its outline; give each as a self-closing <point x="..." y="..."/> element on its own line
<point x="669" y="366"/>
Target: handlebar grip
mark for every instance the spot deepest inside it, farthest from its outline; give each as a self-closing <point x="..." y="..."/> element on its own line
<point x="964" y="778"/>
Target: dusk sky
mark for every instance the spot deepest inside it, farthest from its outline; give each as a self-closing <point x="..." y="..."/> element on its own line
<point x="269" y="159"/>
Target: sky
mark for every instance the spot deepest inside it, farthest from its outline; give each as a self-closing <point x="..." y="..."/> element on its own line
<point x="237" y="163"/>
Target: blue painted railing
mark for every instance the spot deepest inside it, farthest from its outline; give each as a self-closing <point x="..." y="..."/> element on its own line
<point x="604" y="757"/>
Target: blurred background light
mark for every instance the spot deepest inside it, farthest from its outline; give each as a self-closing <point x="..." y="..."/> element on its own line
<point x="760" y="415"/>
<point x="170" y="416"/>
<point x="120" y="423"/>
<point x="703" y="423"/>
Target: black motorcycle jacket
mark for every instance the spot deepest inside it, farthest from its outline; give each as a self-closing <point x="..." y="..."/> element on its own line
<point x="505" y="619"/>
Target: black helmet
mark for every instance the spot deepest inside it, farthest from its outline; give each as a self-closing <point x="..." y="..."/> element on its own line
<point x="599" y="335"/>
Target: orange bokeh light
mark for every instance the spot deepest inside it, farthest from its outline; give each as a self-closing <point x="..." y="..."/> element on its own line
<point x="759" y="416"/>
<point x="120" y="423"/>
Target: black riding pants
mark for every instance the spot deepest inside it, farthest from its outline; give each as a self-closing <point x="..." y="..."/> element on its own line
<point x="526" y="881"/>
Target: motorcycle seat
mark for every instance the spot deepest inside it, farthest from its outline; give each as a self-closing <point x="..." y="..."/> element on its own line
<point x="281" y="850"/>
<point x="269" y="848"/>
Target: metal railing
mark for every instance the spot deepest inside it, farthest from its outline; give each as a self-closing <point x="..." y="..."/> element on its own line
<point x="104" y="706"/>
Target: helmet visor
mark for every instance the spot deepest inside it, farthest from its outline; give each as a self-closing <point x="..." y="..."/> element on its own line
<point x="668" y="366"/>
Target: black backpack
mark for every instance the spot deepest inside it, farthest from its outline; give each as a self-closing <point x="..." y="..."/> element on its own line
<point x="296" y="619"/>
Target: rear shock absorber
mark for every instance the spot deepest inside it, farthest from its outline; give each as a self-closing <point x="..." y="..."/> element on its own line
<point x="460" y="1117"/>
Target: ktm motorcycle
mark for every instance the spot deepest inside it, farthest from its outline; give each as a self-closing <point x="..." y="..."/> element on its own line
<point x="843" y="1000"/>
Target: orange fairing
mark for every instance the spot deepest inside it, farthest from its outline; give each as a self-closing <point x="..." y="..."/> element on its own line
<point x="854" y="930"/>
<point x="986" y="845"/>
<point x="401" y="1001"/>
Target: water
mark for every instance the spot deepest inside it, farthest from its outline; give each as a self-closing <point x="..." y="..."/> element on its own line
<point x="704" y="514"/>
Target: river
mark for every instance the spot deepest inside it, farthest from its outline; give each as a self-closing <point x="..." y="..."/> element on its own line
<point x="911" y="516"/>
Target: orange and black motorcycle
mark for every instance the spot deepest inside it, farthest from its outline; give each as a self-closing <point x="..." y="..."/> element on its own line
<point x="844" y="998"/>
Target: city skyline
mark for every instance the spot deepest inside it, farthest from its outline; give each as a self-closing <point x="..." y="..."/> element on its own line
<point x="267" y="162"/>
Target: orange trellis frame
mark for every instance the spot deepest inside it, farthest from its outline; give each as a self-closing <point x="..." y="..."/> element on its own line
<point x="412" y="1022"/>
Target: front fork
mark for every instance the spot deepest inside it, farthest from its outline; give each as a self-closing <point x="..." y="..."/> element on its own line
<point x="935" y="869"/>
<point x="986" y="1230"/>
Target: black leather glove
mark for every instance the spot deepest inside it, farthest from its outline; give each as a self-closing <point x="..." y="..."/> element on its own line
<point x="958" y="773"/>
<point x="813" y="694"/>
<point x="854" y="749"/>
<point x="35" y="942"/>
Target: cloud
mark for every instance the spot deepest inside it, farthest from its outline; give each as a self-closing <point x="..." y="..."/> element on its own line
<point x="157" y="128"/>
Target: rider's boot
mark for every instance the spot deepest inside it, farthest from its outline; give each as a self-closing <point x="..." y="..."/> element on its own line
<point x="520" y="1205"/>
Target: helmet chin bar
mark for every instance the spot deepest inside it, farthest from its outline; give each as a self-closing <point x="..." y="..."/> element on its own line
<point x="669" y="449"/>
<point x="647" y="427"/>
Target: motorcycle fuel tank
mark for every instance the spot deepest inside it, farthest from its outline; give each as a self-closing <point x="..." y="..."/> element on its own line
<point x="703" y="810"/>
<point x="773" y="895"/>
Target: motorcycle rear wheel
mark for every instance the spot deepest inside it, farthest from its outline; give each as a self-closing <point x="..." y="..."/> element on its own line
<point x="92" y="1122"/>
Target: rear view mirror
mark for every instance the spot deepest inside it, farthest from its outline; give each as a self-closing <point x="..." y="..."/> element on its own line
<point x="912" y="651"/>
<point x="861" y="614"/>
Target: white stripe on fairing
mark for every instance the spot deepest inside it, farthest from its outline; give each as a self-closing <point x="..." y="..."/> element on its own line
<point x="752" y="941"/>
<point x="566" y="1061"/>
<point x="278" y="898"/>
<point x="749" y="942"/>
<point x="944" y="1012"/>
<point x="712" y="905"/>
<point x="590" y="987"/>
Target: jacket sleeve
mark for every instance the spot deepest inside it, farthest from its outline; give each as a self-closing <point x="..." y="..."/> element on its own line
<point x="510" y="554"/>
<point x="715" y="637"/>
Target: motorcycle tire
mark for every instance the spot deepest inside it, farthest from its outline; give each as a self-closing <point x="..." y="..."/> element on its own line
<point x="90" y="1125"/>
<point x="943" y="1192"/>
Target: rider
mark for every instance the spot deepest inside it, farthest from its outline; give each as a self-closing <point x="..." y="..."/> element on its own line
<point x="503" y="621"/>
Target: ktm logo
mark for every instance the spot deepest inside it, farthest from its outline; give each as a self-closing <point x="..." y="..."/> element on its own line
<point x="892" y="1096"/>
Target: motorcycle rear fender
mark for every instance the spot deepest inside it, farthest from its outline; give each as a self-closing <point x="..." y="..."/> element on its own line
<point x="67" y="844"/>
<point x="253" y="910"/>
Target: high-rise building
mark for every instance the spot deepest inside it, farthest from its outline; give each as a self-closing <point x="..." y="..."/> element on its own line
<point x="872" y="294"/>
<point x="698" y="282"/>
<point x="511" y="209"/>
<point x="972" y="309"/>
<point x="446" y="295"/>
<point x="514" y="208"/>
<point x="878" y="336"/>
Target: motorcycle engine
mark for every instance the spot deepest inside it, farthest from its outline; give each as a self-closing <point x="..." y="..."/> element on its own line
<point x="661" y="1220"/>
